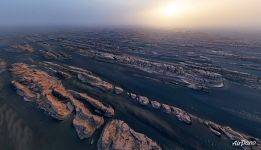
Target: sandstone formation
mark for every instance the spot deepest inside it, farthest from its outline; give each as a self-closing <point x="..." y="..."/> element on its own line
<point x="191" y="74"/>
<point x="196" y="70"/>
<point x="26" y="48"/>
<point x="49" y="94"/>
<point x="85" y="122"/>
<point x="24" y="91"/>
<point x="143" y="100"/>
<point x="178" y="73"/>
<point x="166" y="108"/>
<point x="106" y="110"/>
<point x="231" y="134"/>
<point x="83" y="75"/>
<point x="117" y="135"/>
<point x="95" y="81"/>
<point x="54" y="54"/>
<point x="86" y="130"/>
<point x="218" y="130"/>
<point x="118" y="90"/>
<point x="38" y="87"/>
<point x="132" y="95"/>
<point x="155" y="104"/>
<point x="181" y="115"/>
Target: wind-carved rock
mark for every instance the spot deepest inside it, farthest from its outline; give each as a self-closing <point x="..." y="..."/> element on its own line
<point x="132" y="96"/>
<point x="49" y="94"/>
<point x="37" y="86"/>
<point x="177" y="73"/>
<point x="85" y="122"/>
<point x="118" y="135"/>
<point x="84" y="76"/>
<point x="95" y="81"/>
<point x="118" y="90"/>
<point x="166" y="108"/>
<point x="143" y="100"/>
<point x="54" y="54"/>
<point x="231" y="134"/>
<point x="107" y="111"/>
<point x="24" y="47"/>
<point x="181" y="115"/>
<point x="155" y="104"/>
<point x="24" y="91"/>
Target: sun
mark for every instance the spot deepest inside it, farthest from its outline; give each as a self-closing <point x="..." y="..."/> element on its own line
<point x="168" y="13"/>
<point x="173" y="9"/>
<point x="170" y="10"/>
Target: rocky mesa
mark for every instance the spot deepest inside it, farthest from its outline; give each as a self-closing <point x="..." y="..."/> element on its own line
<point x="38" y="87"/>
<point x="49" y="94"/>
<point x="118" y="135"/>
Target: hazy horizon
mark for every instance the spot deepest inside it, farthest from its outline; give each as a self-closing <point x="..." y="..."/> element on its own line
<point x="167" y="14"/>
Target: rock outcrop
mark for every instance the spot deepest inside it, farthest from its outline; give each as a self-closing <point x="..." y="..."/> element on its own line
<point x="85" y="122"/>
<point x="166" y="108"/>
<point x="38" y="87"/>
<point x="132" y="95"/>
<point x="171" y="110"/>
<point x="95" y="81"/>
<point x="54" y="54"/>
<point x="231" y="134"/>
<point x="143" y="100"/>
<point x="177" y="73"/>
<point x="85" y="129"/>
<point x="26" y="48"/>
<point x="181" y="115"/>
<point x="83" y="75"/>
<point x="118" y="90"/>
<point x="155" y="104"/>
<point x="24" y="91"/>
<point x="106" y="110"/>
<point x="49" y="94"/>
<point x="118" y="135"/>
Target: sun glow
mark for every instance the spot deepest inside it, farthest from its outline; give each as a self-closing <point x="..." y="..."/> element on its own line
<point x="168" y="13"/>
<point x="200" y="14"/>
<point x="173" y="9"/>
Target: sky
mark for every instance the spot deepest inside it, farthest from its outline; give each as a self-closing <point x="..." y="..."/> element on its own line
<point x="148" y="13"/>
